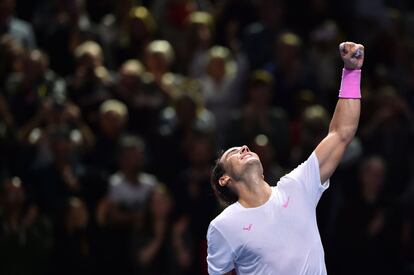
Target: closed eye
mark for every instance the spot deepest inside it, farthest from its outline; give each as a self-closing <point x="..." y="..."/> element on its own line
<point x="232" y="152"/>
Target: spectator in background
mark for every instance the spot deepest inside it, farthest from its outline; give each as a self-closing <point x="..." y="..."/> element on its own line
<point x="25" y="235"/>
<point x="113" y="26"/>
<point x="161" y="243"/>
<point x="61" y="178"/>
<point x="387" y="130"/>
<point x="313" y="128"/>
<point x="303" y="100"/>
<point x="129" y="81"/>
<point x="130" y="187"/>
<point x="322" y="57"/>
<point x="128" y="191"/>
<point x="179" y="123"/>
<point x="89" y="86"/>
<point x="73" y="241"/>
<point x="258" y="116"/>
<point x="159" y="60"/>
<point x="259" y="36"/>
<point x="126" y="33"/>
<point x="173" y="17"/>
<point x="112" y="122"/>
<point x="192" y="194"/>
<point x="53" y="113"/>
<point x="363" y="234"/>
<point x="290" y="71"/>
<point x="11" y="56"/>
<point x="20" y="30"/>
<point x="63" y="25"/>
<point x="27" y="89"/>
<point x="199" y="39"/>
<point x="144" y="99"/>
<point x="221" y="83"/>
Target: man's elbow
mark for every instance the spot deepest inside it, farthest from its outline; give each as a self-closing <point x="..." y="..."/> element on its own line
<point x="345" y="135"/>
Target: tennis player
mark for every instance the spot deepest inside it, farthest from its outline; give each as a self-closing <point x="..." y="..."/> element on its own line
<point x="273" y="230"/>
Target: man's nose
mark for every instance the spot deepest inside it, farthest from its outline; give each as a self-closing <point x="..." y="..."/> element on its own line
<point x="244" y="149"/>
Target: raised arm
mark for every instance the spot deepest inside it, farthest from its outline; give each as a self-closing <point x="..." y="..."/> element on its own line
<point x="345" y="119"/>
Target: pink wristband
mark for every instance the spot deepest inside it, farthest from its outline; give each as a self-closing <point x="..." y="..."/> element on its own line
<point x="350" y="84"/>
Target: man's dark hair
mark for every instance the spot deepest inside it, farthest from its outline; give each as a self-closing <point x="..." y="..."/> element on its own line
<point x="223" y="193"/>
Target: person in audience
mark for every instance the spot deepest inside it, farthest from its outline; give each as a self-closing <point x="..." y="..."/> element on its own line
<point x="161" y="243"/>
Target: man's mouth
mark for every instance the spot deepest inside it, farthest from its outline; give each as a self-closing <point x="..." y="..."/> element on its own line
<point x="246" y="155"/>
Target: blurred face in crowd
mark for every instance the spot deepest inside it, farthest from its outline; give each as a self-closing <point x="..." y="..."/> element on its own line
<point x="286" y="54"/>
<point x="389" y="107"/>
<point x="260" y="94"/>
<point x="185" y="110"/>
<point x="315" y="125"/>
<point x="34" y="66"/>
<point x="201" y="152"/>
<point x="204" y="34"/>
<point x="157" y="63"/>
<point x="372" y="175"/>
<point x="11" y="54"/>
<point x="14" y="194"/>
<point x="216" y="68"/>
<point x="128" y="82"/>
<point x="88" y="62"/>
<point x="112" y="123"/>
<point x="131" y="159"/>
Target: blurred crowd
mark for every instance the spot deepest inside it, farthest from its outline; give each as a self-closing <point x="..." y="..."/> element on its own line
<point x="113" y="111"/>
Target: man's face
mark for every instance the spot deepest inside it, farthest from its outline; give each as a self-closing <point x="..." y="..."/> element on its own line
<point x="237" y="159"/>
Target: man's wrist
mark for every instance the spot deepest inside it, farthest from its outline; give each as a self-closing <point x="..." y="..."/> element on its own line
<point x="350" y="84"/>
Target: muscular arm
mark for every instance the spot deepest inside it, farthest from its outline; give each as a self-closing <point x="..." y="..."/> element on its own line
<point x="345" y="120"/>
<point x="341" y="132"/>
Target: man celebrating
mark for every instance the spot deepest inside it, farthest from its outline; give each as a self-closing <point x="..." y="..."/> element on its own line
<point x="273" y="230"/>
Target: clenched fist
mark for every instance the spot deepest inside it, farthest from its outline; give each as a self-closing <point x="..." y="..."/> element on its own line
<point x="352" y="54"/>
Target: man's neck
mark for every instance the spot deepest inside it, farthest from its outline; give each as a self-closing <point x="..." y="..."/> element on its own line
<point x="253" y="191"/>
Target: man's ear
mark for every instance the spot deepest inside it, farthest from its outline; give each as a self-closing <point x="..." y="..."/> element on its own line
<point x="224" y="180"/>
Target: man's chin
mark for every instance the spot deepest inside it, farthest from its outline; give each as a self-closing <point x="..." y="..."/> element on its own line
<point x="252" y="161"/>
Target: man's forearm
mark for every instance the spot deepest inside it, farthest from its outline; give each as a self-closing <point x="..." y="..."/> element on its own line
<point x="345" y="120"/>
